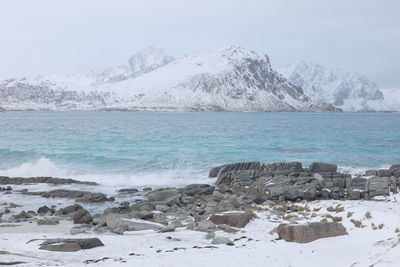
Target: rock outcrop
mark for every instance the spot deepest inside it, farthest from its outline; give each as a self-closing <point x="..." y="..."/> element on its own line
<point x="305" y="233"/>
<point x="290" y="181"/>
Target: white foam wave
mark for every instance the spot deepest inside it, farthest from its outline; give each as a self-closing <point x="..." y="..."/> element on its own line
<point x="156" y="178"/>
<point x="42" y="167"/>
<point x="359" y="170"/>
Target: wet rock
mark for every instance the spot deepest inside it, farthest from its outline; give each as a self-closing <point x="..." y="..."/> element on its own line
<point x="198" y="189"/>
<point x="82" y="216"/>
<point x="70" y="245"/>
<point x="236" y="219"/>
<point x="304" y="233"/>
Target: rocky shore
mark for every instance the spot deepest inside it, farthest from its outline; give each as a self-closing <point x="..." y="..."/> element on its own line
<point x="301" y="204"/>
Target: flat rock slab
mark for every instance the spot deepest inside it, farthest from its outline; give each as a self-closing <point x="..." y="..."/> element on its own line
<point x="69" y="245"/>
<point x="235" y="218"/>
<point x="305" y="233"/>
<point x="41" y="180"/>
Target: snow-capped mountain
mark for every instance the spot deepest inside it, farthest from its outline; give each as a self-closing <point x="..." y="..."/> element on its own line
<point x="346" y="90"/>
<point x="232" y="79"/>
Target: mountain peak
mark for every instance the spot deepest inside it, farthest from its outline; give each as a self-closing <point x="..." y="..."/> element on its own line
<point x="148" y="59"/>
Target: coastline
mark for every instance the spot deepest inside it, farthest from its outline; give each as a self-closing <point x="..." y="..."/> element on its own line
<point x="176" y="226"/>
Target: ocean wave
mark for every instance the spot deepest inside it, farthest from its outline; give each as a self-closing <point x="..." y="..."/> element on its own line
<point x="169" y="177"/>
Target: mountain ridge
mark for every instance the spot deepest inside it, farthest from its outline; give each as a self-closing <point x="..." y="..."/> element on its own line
<point x="228" y="79"/>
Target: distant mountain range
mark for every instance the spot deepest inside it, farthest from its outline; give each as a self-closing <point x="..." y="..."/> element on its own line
<point x="228" y="79"/>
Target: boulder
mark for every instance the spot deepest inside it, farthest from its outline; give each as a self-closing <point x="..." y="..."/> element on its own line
<point x="234" y="218"/>
<point x="198" y="189"/>
<point x="69" y="209"/>
<point x="377" y="186"/>
<point x="216" y="171"/>
<point x="70" y="245"/>
<point x="167" y="196"/>
<point x="304" y="233"/>
<point x="118" y="222"/>
<point x="82" y="216"/>
<point x="322" y="167"/>
<point x="44" y="209"/>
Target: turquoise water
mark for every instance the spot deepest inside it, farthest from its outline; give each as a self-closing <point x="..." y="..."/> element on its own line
<point x="151" y="148"/>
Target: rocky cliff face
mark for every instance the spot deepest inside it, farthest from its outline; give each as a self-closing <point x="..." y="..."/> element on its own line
<point x="231" y="79"/>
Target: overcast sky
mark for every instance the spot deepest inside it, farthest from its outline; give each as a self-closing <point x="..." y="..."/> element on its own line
<point x="48" y="36"/>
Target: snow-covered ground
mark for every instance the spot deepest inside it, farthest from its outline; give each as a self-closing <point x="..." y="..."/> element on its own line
<point x="255" y="245"/>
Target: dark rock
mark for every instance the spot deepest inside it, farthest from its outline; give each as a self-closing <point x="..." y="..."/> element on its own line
<point x="235" y="219"/>
<point x="304" y="233"/>
<point x="80" y="196"/>
<point x="69" y="209"/>
<point x="39" y="180"/>
<point x="128" y="191"/>
<point x="82" y="216"/>
<point x="278" y="167"/>
<point x="167" y="196"/>
<point x="198" y="189"/>
<point x="215" y="172"/>
<point x="44" y="209"/>
<point x="322" y="167"/>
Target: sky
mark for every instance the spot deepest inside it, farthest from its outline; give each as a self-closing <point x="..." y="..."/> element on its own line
<point x="41" y="37"/>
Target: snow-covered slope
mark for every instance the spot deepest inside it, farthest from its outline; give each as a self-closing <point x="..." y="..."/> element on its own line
<point x="346" y="90"/>
<point x="392" y="98"/>
<point x="231" y="79"/>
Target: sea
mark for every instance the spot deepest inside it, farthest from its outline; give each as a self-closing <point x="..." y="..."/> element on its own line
<point x="178" y="148"/>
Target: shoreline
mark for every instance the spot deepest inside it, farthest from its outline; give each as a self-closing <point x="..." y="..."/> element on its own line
<point x="243" y="212"/>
